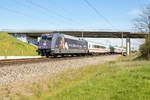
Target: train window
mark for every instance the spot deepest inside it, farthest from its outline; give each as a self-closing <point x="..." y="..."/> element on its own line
<point x="44" y="37"/>
<point x="102" y="47"/>
<point x="93" y="46"/>
<point x="49" y="38"/>
<point x="98" y="46"/>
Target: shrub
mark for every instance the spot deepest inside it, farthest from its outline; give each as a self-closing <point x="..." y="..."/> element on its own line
<point x="145" y="49"/>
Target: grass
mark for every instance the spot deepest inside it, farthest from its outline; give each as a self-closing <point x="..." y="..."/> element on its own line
<point x="124" y="79"/>
<point x="10" y="46"/>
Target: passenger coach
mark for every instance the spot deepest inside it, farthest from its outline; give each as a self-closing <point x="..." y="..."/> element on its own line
<point x="97" y="48"/>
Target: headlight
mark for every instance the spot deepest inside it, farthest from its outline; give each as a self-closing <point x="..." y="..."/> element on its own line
<point x="44" y="44"/>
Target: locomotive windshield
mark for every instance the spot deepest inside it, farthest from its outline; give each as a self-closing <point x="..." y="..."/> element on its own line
<point x="46" y="38"/>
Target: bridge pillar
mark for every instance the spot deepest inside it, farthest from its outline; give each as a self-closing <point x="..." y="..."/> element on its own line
<point x="82" y="35"/>
<point x="128" y="46"/>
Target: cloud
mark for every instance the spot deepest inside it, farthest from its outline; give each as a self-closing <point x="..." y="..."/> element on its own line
<point x="135" y="12"/>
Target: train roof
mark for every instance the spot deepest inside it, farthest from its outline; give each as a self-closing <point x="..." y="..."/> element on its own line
<point x="71" y="37"/>
<point x="66" y="36"/>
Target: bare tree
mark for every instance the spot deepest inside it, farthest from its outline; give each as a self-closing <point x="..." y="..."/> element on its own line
<point x="142" y="23"/>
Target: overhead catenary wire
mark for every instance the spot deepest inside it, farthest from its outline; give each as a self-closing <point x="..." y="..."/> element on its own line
<point x="70" y="13"/>
<point x="17" y="12"/>
<point x="29" y="6"/>
<point x="98" y="13"/>
<point x="44" y="9"/>
<point x="101" y="16"/>
<point x="48" y="10"/>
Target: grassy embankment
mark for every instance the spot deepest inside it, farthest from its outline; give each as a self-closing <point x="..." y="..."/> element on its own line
<point x="10" y="46"/>
<point x="124" y="79"/>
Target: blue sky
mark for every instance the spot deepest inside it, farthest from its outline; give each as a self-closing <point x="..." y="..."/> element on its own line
<point x="69" y="14"/>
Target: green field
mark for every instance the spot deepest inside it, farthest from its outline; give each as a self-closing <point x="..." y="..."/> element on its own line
<point x="10" y="46"/>
<point x="124" y="79"/>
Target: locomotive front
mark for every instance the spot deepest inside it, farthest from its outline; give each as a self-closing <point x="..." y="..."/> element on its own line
<point x="44" y="45"/>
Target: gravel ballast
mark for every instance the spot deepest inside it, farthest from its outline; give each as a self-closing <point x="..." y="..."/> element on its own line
<point x="24" y="72"/>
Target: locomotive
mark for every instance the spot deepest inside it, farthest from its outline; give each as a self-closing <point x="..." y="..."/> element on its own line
<point x="56" y="44"/>
<point x="60" y="44"/>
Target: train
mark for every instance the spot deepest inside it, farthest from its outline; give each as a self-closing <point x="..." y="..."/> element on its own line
<point x="57" y="44"/>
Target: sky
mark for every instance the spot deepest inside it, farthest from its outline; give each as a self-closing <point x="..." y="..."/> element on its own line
<point x="69" y="14"/>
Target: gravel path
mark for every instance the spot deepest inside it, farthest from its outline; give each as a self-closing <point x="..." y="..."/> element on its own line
<point x="14" y="73"/>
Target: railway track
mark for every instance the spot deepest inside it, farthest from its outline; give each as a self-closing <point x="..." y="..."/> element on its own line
<point x="21" y="61"/>
<point x="34" y="60"/>
<point x="39" y="60"/>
